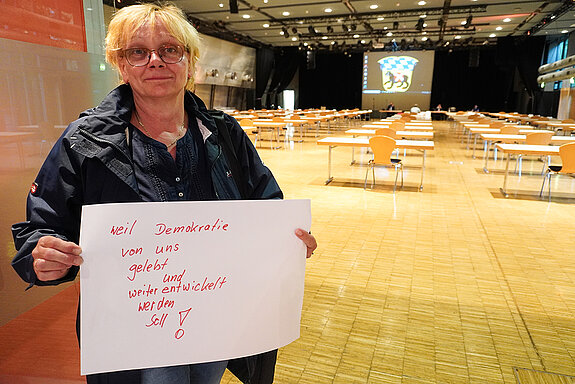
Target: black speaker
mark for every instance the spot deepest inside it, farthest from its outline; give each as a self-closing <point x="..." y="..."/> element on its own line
<point x="233" y="6"/>
<point x="474" y="58"/>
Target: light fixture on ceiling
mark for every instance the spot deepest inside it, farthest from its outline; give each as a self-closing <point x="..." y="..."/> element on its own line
<point x="468" y="21"/>
<point x="345" y="28"/>
<point x="285" y="32"/>
<point x="311" y="30"/>
<point x="396" y="25"/>
<point x="294" y="30"/>
<point x="367" y="27"/>
<point x="420" y="24"/>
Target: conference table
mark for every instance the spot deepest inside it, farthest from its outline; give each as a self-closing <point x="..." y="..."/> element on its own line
<point x="332" y="142"/>
<point x="478" y="131"/>
<point x="415" y="134"/>
<point x="491" y="138"/>
<point x="523" y="149"/>
<point x="407" y="127"/>
<point x="274" y="126"/>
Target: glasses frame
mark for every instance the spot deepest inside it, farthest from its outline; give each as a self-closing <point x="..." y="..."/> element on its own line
<point x="125" y="53"/>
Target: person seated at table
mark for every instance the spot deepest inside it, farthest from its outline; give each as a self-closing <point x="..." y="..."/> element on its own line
<point x="390" y="107"/>
<point x="415" y="109"/>
<point x="439" y="107"/>
<point x="475" y="108"/>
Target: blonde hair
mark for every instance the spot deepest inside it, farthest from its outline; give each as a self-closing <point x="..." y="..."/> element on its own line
<point x="128" y="20"/>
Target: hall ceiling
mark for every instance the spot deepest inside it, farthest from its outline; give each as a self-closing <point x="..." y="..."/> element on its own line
<point x="374" y="23"/>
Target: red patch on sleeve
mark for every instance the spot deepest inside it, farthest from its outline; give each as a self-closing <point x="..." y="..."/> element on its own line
<point x="34" y="188"/>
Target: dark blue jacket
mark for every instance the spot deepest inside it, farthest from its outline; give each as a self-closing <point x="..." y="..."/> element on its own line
<point x="91" y="163"/>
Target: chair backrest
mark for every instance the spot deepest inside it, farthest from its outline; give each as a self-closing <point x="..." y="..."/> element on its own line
<point x="382" y="147"/>
<point x="397" y="125"/>
<point x="246" y="123"/>
<point x="509" y="130"/>
<point x="278" y="119"/>
<point x="539" y="138"/>
<point x="390" y="132"/>
<point x="567" y="154"/>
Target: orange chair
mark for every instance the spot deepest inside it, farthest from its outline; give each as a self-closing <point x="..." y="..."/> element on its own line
<point x="567" y="167"/>
<point x="536" y="138"/>
<point x="382" y="148"/>
<point x="389" y="132"/>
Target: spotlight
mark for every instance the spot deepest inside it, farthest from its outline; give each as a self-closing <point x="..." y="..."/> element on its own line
<point x="344" y="28"/>
<point x="311" y="30"/>
<point x="367" y="27"/>
<point x="285" y="32"/>
<point x="353" y="27"/>
<point x="468" y="21"/>
<point x="329" y="29"/>
<point x="420" y="24"/>
<point x="396" y="25"/>
<point x="294" y="30"/>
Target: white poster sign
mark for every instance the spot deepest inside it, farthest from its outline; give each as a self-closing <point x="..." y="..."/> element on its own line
<point x="187" y="282"/>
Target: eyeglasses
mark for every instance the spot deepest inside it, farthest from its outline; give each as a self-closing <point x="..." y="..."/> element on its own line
<point x="140" y="57"/>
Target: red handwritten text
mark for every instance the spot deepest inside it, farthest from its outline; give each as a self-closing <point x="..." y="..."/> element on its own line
<point x="155" y="320"/>
<point x="153" y="305"/>
<point x="147" y="291"/>
<point x="146" y="267"/>
<point x="132" y="251"/>
<point x="163" y="229"/>
<point x="167" y="248"/>
<point x="121" y="230"/>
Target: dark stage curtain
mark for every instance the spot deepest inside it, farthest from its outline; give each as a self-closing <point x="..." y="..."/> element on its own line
<point x="264" y="66"/>
<point x="334" y="83"/>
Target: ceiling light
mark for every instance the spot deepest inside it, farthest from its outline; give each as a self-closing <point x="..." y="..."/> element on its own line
<point x="221" y="5"/>
<point x="294" y="38"/>
<point x="422" y="2"/>
<point x="373" y="6"/>
<point x="389" y="34"/>
<point x="564" y="31"/>
<point x="265" y="1"/>
<point x="498" y="28"/>
<point x="328" y="10"/>
<point x="324" y="37"/>
<point x="266" y="25"/>
<point x="423" y="16"/>
<point x="355" y="36"/>
<point x="285" y="13"/>
<point x="380" y="18"/>
<point x="424" y="38"/>
<point x="457" y="37"/>
<point x="246" y="16"/>
<point x="506" y="20"/>
<point x="493" y="35"/>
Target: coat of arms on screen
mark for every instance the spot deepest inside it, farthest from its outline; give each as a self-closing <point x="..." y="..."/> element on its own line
<point x="396" y="72"/>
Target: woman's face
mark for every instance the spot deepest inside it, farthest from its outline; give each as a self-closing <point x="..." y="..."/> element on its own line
<point x="156" y="79"/>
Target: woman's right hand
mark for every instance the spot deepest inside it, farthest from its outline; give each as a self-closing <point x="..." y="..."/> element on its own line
<point x="53" y="257"/>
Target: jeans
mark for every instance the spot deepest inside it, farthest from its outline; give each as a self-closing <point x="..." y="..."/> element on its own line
<point x="204" y="373"/>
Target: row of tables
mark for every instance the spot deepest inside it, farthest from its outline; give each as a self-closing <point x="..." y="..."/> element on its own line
<point x="514" y="144"/>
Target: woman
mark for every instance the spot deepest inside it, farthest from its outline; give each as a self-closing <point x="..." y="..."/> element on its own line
<point x="149" y="140"/>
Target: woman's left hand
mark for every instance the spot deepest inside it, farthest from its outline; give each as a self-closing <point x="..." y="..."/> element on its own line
<point x="308" y="240"/>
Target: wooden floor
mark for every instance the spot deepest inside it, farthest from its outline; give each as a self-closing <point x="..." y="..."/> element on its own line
<point x="454" y="284"/>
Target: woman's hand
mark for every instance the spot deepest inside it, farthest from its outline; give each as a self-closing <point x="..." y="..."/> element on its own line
<point x="308" y="240"/>
<point x="53" y="257"/>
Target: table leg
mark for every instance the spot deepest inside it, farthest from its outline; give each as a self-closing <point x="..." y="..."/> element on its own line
<point x="474" y="145"/>
<point x="329" y="177"/>
<point x="422" y="171"/>
<point x="486" y="155"/>
<point x="504" y="189"/>
<point x="352" y="154"/>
